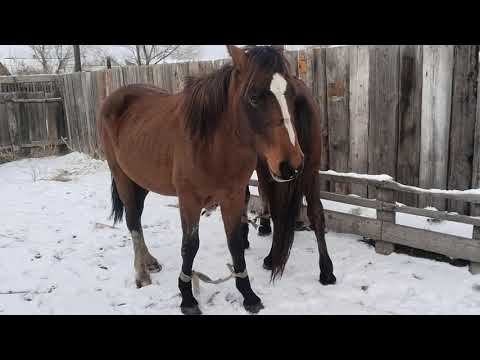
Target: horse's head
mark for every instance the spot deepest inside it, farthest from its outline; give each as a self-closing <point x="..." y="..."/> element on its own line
<point x="264" y="96"/>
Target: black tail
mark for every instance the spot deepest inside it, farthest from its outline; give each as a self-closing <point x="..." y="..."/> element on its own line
<point x="117" y="205"/>
<point x="285" y="201"/>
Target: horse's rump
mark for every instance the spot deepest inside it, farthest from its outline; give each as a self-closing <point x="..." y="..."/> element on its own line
<point x="121" y="99"/>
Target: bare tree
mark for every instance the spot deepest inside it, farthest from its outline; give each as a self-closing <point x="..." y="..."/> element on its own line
<point x="97" y="55"/>
<point x="22" y="68"/>
<point x="154" y="54"/>
<point x="52" y="58"/>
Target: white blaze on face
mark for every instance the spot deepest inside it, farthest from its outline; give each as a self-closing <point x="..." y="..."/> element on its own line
<point x="278" y="86"/>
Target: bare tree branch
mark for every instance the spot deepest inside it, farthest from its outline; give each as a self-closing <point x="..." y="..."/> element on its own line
<point x="154" y="54"/>
<point x="52" y="58"/>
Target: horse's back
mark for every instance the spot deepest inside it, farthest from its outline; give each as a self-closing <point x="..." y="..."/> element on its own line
<point x="119" y="100"/>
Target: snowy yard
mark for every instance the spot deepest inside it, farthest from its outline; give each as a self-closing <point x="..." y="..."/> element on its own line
<point x="58" y="257"/>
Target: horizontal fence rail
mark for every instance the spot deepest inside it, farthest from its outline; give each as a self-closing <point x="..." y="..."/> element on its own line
<point x="385" y="231"/>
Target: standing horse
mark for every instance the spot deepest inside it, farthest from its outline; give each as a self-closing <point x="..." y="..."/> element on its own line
<point x="282" y="201"/>
<point x="201" y="145"/>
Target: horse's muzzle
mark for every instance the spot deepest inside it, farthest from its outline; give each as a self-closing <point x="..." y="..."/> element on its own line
<point x="287" y="172"/>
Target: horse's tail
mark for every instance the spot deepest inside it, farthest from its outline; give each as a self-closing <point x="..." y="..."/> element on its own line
<point x="117" y="204"/>
<point x="285" y="201"/>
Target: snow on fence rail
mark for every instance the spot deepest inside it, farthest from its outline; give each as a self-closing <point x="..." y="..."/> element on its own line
<point x="385" y="231"/>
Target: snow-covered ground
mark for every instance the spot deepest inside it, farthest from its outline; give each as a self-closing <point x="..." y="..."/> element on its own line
<point x="59" y="255"/>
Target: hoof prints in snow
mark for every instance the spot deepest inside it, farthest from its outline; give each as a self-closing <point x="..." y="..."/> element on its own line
<point x="71" y="243"/>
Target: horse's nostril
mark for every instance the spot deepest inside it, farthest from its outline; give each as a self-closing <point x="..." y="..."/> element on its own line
<point x="286" y="170"/>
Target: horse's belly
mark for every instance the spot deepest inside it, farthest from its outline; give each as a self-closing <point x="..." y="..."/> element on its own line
<point x="152" y="170"/>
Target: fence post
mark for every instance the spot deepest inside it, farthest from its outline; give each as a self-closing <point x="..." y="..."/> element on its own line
<point x="474" y="267"/>
<point x="385" y="195"/>
<point x="12" y="124"/>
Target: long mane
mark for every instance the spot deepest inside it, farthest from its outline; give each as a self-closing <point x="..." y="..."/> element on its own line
<point x="206" y="98"/>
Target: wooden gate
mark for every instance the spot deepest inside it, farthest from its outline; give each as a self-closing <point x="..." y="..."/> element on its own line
<point x="31" y="116"/>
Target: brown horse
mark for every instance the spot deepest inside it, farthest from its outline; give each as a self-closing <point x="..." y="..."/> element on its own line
<point x="282" y="201"/>
<point x="201" y="145"/>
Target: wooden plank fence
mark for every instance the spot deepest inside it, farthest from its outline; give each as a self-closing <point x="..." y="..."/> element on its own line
<point x="409" y="111"/>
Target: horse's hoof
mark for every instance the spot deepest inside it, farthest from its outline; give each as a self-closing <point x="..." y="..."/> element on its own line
<point x="191" y="310"/>
<point x="327" y="279"/>
<point x="264" y="230"/>
<point x="267" y="263"/>
<point x="143" y="281"/>
<point x="154" y="267"/>
<point x="300" y="226"/>
<point x="254" y="308"/>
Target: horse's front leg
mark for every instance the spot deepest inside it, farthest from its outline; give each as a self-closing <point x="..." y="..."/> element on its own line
<point x="232" y="210"/>
<point x="317" y="220"/>
<point x="190" y="216"/>
<point x="244" y="225"/>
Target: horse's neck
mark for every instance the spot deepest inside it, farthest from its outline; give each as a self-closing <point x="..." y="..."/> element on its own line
<point x="226" y="151"/>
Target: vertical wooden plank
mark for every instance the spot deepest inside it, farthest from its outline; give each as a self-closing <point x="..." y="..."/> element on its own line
<point x="4" y="128"/>
<point x="108" y="82"/>
<point x="359" y="78"/>
<point x="143" y="74"/>
<point x="337" y="71"/>
<point x="157" y="75"/>
<point x="383" y="98"/>
<point x="167" y="75"/>
<point x="76" y="126"/>
<point x="180" y="72"/>
<point x="462" y="123"/>
<point x="291" y="57"/>
<point x="435" y="120"/>
<point x="12" y="121"/>
<point x="475" y="208"/>
<point x="320" y="93"/>
<point x="86" y="85"/>
<point x="306" y="67"/>
<point x="388" y="196"/>
<point x="51" y="120"/>
<point x="150" y="74"/>
<point x="474" y="267"/>
<point x="194" y="68"/>
<point x="410" y="112"/>
<point x="66" y="106"/>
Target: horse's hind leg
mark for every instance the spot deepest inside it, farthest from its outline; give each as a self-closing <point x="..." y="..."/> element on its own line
<point x="265" y="228"/>
<point x="133" y="199"/>
<point x="317" y="219"/>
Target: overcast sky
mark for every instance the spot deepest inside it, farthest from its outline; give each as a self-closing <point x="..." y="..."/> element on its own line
<point x="206" y="51"/>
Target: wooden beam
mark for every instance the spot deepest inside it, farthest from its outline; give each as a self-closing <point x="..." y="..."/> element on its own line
<point x="28" y="78"/>
<point x="46" y="100"/>
<point x="393" y="185"/>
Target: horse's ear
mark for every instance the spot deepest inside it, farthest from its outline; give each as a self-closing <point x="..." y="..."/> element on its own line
<point x="239" y="58"/>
